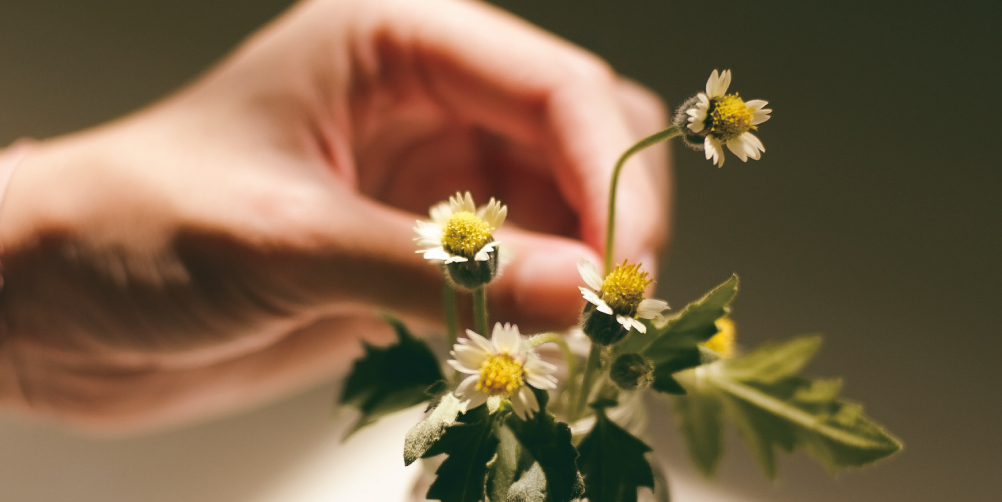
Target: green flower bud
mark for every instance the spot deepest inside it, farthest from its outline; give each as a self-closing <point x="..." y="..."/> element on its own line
<point x="631" y="372"/>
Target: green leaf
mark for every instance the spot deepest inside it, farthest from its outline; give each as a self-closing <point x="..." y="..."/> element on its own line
<point x="504" y="469"/>
<point x="773" y="409"/>
<point x="774" y="360"/>
<point x="390" y="379"/>
<point x="682" y="359"/>
<point x="548" y="442"/>
<point x="613" y="462"/>
<point x="700" y="419"/>
<point x="692" y="326"/>
<point x="470" y="444"/>
<point x="428" y="431"/>
<point x="531" y="487"/>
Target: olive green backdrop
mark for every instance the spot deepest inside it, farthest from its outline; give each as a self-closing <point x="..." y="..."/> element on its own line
<point x="872" y="217"/>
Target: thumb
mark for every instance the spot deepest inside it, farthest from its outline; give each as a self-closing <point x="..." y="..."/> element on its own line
<point x="538" y="288"/>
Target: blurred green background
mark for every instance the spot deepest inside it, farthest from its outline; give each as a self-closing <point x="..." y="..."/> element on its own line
<point x="873" y="216"/>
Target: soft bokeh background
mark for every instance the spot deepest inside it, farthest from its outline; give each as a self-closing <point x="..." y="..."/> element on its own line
<point x="873" y="217"/>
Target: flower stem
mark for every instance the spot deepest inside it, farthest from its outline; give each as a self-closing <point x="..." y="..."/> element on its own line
<point x="653" y="139"/>
<point x="449" y="311"/>
<point x="480" y="311"/>
<point x="592" y="367"/>
<point x="570" y="360"/>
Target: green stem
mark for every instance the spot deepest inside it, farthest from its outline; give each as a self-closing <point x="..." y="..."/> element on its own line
<point x="480" y="311"/>
<point x="570" y="360"/>
<point x="449" y="308"/>
<point x="653" y="139"/>
<point x="592" y="367"/>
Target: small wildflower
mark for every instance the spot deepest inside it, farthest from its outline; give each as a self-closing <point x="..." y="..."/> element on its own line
<point x="461" y="237"/>
<point x="631" y="372"/>
<point x="723" y="342"/>
<point x="713" y="119"/>
<point x="501" y="368"/>
<point x="616" y="303"/>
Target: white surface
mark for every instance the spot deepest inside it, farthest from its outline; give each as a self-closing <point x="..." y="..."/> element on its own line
<point x="288" y="452"/>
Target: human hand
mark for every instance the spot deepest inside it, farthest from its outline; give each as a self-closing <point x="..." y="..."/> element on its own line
<point x="231" y="242"/>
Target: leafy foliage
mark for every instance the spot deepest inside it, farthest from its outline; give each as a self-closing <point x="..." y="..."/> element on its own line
<point x="613" y="462"/>
<point x="674" y="346"/>
<point x="470" y="444"/>
<point x="700" y="417"/>
<point x="390" y="379"/>
<point x="428" y="431"/>
<point x="773" y="408"/>
<point x="548" y="443"/>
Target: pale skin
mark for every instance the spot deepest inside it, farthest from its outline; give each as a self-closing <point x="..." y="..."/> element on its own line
<point x="232" y="242"/>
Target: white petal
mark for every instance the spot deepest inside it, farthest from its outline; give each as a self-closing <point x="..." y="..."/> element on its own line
<point x="760" y="116"/>
<point x="541" y="382"/>
<point x="714" y="150"/>
<point x="437" y="254"/>
<point x="475" y="398"/>
<point x="441" y="212"/>
<point x="723" y="83"/>
<point x="756" y="104"/>
<point x="484" y="253"/>
<point x="458" y="366"/>
<point x="524" y="403"/>
<point x="737" y="147"/>
<point x="493" y="214"/>
<point x="753" y="141"/>
<point x="595" y="300"/>
<point x="650" y="308"/>
<point x="711" y="84"/>
<point x="506" y="338"/>
<point x="470" y="356"/>
<point x="590" y="274"/>
<point x="480" y="341"/>
<point x="467" y="384"/>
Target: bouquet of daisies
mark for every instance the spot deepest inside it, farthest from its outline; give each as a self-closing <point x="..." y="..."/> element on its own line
<point x="560" y="417"/>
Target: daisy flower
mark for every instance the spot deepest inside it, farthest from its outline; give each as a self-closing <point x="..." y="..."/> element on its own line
<point x="619" y="296"/>
<point x="719" y="119"/>
<point x="501" y="368"/>
<point x="461" y="237"/>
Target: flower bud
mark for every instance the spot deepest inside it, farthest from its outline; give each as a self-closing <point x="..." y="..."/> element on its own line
<point x="631" y="372"/>
<point x="472" y="274"/>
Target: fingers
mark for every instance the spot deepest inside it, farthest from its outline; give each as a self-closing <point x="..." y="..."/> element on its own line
<point x="502" y="74"/>
<point x="117" y="399"/>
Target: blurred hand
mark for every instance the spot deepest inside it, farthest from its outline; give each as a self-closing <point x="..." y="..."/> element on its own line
<point x="231" y="242"/>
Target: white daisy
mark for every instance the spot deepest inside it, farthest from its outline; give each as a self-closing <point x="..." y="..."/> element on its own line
<point x="458" y="231"/>
<point x="726" y="119"/>
<point x="621" y="294"/>
<point x="501" y="368"/>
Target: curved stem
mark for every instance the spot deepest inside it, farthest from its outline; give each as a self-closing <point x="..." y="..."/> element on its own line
<point x="480" y="311"/>
<point x="570" y="360"/>
<point x="610" y="232"/>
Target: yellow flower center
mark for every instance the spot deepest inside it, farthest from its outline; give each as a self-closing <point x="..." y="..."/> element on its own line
<point x="623" y="288"/>
<point x="500" y="375"/>
<point x="723" y="342"/>
<point x="465" y="233"/>
<point x="730" y="117"/>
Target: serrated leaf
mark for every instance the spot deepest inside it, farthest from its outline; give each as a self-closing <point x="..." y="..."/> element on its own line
<point x="695" y="324"/>
<point x="504" y="469"/>
<point x="470" y="444"/>
<point x="774" y="360"/>
<point x="700" y="419"/>
<point x="390" y="379"/>
<point x="613" y="462"/>
<point x="790" y="413"/>
<point x="682" y="359"/>
<point x="428" y="431"/>
<point x="531" y="487"/>
<point x="548" y="443"/>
